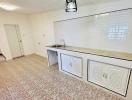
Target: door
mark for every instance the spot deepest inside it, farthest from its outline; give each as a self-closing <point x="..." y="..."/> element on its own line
<point x="66" y="63"/>
<point x="118" y="75"/>
<point x="76" y="66"/>
<point x="109" y="76"/>
<point x="14" y="40"/>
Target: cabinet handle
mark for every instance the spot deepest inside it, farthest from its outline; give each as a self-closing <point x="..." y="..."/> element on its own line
<point x="105" y="75"/>
<point x="70" y="64"/>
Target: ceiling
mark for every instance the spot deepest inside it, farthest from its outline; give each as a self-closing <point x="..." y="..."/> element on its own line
<point x="34" y="6"/>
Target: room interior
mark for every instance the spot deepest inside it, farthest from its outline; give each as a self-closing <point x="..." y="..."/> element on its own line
<point x="65" y="50"/>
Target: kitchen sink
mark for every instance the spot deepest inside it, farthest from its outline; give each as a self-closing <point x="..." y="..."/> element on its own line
<point x="57" y="45"/>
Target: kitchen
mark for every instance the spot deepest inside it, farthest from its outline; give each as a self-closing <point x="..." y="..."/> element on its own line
<point x="88" y="41"/>
<point x="102" y="67"/>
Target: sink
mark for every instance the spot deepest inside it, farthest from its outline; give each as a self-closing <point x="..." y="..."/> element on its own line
<point x="57" y="45"/>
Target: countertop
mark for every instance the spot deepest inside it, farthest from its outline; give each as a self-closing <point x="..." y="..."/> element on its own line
<point x="104" y="53"/>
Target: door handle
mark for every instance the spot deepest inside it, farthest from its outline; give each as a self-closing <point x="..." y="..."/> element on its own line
<point x="20" y="40"/>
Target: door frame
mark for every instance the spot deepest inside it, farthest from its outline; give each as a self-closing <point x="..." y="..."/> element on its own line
<point x="19" y="37"/>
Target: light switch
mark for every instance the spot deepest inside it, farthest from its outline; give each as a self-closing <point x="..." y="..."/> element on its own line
<point x="44" y="35"/>
<point x="23" y="35"/>
<point x="39" y="43"/>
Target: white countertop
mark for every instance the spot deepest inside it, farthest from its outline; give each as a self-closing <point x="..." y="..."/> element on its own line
<point x="105" y="53"/>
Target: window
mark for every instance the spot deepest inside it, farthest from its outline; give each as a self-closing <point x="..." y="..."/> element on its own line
<point x="118" y="32"/>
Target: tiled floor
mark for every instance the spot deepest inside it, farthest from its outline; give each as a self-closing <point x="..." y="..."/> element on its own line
<point x="29" y="78"/>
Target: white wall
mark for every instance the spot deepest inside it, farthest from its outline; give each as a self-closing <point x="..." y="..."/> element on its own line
<point x="43" y="23"/>
<point x="93" y="31"/>
<point x="43" y="26"/>
<point x="25" y="29"/>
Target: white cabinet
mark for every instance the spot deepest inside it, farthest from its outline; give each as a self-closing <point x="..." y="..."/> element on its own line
<point x="71" y="64"/>
<point x="112" y="77"/>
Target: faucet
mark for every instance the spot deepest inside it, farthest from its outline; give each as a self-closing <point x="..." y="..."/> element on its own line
<point x="64" y="44"/>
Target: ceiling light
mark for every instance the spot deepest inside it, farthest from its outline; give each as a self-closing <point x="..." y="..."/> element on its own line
<point x="8" y="6"/>
<point x="106" y="14"/>
<point x="71" y="6"/>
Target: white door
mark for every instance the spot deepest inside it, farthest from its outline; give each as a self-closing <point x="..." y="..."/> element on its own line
<point x="72" y="64"/>
<point x="76" y="66"/>
<point x="109" y="76"/>
<point x="66" y="63"/>
<point x="14" y="40"/>
<point x="118" y="79"/>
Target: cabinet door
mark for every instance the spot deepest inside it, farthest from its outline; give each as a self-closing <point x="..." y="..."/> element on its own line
<point x="97" y="73"/>
<point x="118" y="79"/>
<point x="109" y="76"/>
<point x="76" y="66"/>
<point x="66" y="63"/>
<point x="71" y="64"/>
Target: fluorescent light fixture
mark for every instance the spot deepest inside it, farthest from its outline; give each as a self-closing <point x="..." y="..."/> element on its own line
<point x="71" y="6"/>
<point x="8" y="6"/>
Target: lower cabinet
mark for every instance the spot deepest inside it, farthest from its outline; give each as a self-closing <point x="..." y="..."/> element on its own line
<point x="71" y="64"/>
<point x="112" y="77"/>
